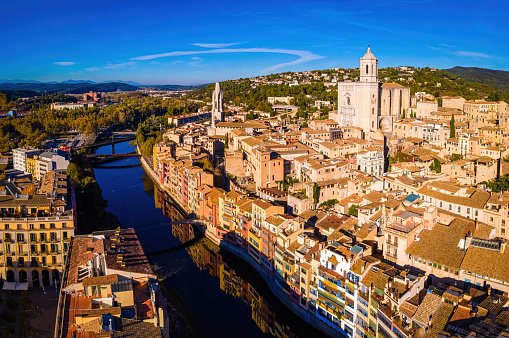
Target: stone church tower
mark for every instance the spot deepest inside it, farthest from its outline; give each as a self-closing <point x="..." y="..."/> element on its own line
<point x="217" y="113"/>
<point x="217" y="105"/>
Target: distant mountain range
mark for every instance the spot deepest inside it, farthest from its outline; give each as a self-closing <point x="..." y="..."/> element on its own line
<point x="32" y="87"/>
<point x="498" y="79"/>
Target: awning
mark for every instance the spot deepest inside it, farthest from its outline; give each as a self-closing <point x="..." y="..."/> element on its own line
<point x="9" y="286"/>
<point x="21" y="286"/>
<point x="15" y="286"/>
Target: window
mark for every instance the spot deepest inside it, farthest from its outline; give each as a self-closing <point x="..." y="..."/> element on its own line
<point x="52" y="225"/>
<point x="6" y="226"/>
<point x="64" y="225"/>
<point x="32" y="226"/>
<point x="20" y="227"/>
<point x="42" y="226"/>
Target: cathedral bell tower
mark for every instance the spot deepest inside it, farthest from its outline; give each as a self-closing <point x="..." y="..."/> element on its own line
<point x="369" y="67"/>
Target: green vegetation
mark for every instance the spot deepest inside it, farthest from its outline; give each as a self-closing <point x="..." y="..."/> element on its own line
<point x="353" y="210"/>
<point x="206" y="165"/>
<point x="499" y="185"/>
<point x="286" y="183"/>
<point x="329" y="204"/>
<point x="436" y="165"/>
<point x="44" y="123"/>
<point x="315" y="193"/>
<point x="453" y="128"/>
<point x="498" y="79"/>
<point x="90" y="203"/>
<point x="456" y="157"/>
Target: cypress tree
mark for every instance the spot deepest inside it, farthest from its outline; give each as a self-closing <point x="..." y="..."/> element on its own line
<point x="453" y="128"/>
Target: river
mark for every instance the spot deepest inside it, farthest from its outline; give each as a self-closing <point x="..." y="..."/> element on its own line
<point x="224" y="295"/>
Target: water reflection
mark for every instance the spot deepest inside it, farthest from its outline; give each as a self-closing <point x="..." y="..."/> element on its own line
<point x="238" y="280"/>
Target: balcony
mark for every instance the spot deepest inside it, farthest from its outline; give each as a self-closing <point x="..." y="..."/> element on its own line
<point x="21" y="240"/>
<point x="8" y="240"/>
<point x="391" y="243"/>
<point x="391" y="255"/>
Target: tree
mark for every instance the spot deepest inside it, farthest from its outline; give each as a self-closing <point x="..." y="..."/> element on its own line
<point x="226" y="138"/>
<point x="453" y="128"/>
<point x="305" y="124"/>
<point x="456" y="157"/>
<point x="329" y="204"/>
<point x="436" y="165"/>
<point x="353" y="210"/>
<point x="315" y="193"/>
<point x="403" y="116"/>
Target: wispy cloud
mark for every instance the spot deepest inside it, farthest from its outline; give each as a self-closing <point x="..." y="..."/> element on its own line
<point x="64" y="63"/>
<point x="304" y="56"/>
<point x="216" y="45"/>
<point x="446" y="45"/>
<point x="472" y="54"/>
<point x="197" y="62"/>
<point x="121" y="65"/>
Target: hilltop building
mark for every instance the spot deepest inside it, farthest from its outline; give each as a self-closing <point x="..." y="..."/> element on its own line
<point x="369" y="104"/>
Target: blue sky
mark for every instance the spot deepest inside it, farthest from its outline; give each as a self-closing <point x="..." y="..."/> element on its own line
<point x="188" y="42"/>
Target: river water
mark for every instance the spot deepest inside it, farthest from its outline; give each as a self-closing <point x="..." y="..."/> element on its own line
<point x="224" y="295"/>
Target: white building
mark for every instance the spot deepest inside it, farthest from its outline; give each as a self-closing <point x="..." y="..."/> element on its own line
<point x="19" y="157"/>
<point x="371" y="160"/>
<point x="369" y="104"/>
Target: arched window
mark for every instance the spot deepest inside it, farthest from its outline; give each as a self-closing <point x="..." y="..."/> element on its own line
<point x="367" y="69"/>
<point x="373" y="111"/>
<point x="348" y="100"/>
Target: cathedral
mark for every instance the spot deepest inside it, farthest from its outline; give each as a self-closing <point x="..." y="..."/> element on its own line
<point x="369" y="104"/>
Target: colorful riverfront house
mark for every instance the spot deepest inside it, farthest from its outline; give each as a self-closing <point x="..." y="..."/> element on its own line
<point x="338" y="287"/>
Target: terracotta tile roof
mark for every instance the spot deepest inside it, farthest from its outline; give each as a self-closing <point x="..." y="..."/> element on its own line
<point x="129" y="248"/>
<point x="408" y="309"/>
<point x="78" y="256"/>
<point x="440" y="245"/>
<point x="440" y="320"/>
<point x="476" y="258"/>
<point x="477" y="200"/>
<point x="100" y="280"/>
<point x="427" y="308"/>
<point x="332" y="222"/>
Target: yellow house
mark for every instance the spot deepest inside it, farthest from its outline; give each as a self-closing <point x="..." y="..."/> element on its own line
<point x="36" y="231"/>
<point x="31" y="166"/>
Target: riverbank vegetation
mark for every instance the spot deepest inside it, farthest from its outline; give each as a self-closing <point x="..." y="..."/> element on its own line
<point x="44" y="123"/>
<point x="90" y="204"/>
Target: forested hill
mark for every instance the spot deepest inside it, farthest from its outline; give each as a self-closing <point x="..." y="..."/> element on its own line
<point x="308" y="86"/>
<point x="498" y="79"/>
<point x="67" y="88"/>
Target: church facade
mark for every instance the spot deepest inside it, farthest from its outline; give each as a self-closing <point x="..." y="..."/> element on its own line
<point x="369" y="104"/>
